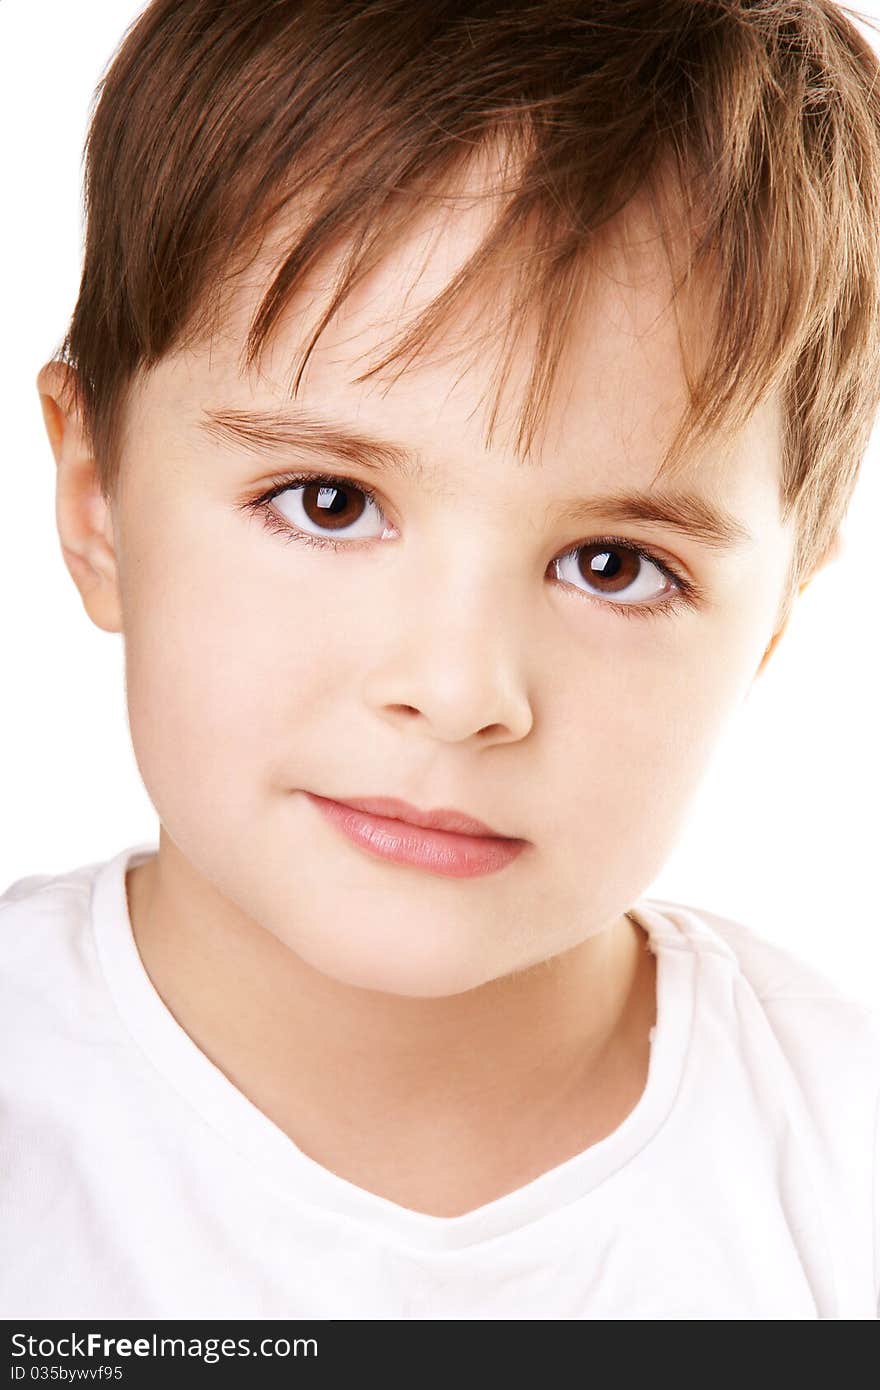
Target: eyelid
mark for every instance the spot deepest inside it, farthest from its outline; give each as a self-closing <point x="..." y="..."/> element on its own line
<point x="667" y="567"/>
<point x="293" y="480"/>
<point x="290" y="480"/>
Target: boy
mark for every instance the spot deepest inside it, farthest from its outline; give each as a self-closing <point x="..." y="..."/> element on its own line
<point x="457" y="399"/>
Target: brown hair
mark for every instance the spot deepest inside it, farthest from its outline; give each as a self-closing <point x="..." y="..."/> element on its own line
<point x="216" y="117"/>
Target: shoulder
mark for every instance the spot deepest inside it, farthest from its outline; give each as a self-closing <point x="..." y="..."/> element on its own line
<point x="788" y="1017"/>
<point x="40" y="908"/>
<point x="778" y="976"/>
<point x="776" y="972"/>
<point x="51" y="982"/>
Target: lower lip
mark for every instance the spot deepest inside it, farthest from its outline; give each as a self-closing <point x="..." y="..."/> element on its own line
<point x="440" y="851"/>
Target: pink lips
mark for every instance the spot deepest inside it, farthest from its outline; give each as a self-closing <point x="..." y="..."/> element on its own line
<point x="392" y="807"/>
<point x="444" y="841"/>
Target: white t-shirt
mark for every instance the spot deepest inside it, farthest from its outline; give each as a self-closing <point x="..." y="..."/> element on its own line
<point x="136" y="1181"/>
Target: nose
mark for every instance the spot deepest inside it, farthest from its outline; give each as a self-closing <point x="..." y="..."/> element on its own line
<point x="452" y="658"/>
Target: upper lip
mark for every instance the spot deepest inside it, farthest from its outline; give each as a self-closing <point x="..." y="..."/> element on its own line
<point x="441" y="818"/>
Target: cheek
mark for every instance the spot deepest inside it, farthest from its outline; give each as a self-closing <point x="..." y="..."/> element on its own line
<point x="226" y="662"/>
<point x="638" y="722"/>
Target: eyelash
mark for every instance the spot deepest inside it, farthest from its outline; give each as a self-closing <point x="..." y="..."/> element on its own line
<point x="686" y="595"/>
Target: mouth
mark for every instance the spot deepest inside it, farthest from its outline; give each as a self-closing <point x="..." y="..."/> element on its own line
<point x="392" y="808"/>
<point x="445" y="841"/>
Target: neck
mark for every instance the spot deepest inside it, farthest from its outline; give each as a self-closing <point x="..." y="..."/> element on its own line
<point x="497" y="1083"/>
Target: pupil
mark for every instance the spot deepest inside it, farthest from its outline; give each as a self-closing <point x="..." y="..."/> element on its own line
<point x="331" y="499"/>
<point x="605" y="564"/>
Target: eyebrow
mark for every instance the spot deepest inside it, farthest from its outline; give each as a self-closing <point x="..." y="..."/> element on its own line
<point x="297" y="428"/>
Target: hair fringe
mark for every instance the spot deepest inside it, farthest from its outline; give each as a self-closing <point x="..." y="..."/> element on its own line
<point x="750" y="129"/>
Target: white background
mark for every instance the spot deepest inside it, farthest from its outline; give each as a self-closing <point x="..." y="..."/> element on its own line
<point x="784" y="833"/>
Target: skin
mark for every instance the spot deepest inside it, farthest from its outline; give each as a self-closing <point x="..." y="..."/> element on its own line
<point x="471" y="1033"/>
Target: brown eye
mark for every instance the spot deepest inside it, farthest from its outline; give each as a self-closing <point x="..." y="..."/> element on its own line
<point x="329" y="507"/>
<point x="336" y="506"/>
<point x="614" y="571"/>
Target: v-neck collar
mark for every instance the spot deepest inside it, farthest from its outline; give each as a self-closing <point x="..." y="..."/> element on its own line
<point x="275" y="1159"/>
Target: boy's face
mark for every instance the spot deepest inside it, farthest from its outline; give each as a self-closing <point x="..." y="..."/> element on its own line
<point x="448" y="664"/>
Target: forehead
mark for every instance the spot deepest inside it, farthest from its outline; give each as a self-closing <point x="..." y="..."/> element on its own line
<point x="620" y="391"/>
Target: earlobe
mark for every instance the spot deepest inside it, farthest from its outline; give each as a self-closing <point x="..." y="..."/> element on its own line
<point x="82" y="514"/>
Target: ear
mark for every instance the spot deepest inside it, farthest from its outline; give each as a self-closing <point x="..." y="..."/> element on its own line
<point x="82" y="515"/>
<point x="832" y="553"/>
